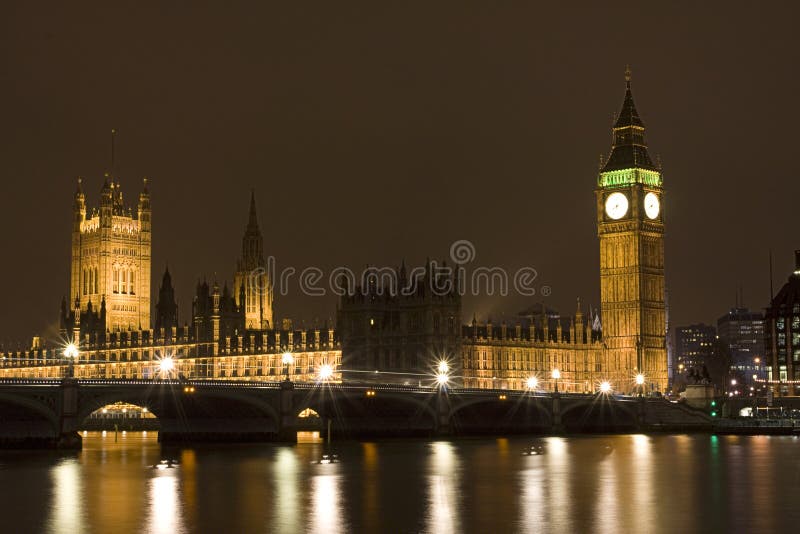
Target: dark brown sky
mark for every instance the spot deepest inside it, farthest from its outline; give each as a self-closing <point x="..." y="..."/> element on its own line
<point x="373" y="133"/>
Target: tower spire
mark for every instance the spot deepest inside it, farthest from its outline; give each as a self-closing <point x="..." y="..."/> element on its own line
<point x="629" y="148"/>
<point x="252" y="223"/>
<point x="113" y="135"/>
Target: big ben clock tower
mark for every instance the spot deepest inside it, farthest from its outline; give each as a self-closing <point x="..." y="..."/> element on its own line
<point x="630" y="226"/>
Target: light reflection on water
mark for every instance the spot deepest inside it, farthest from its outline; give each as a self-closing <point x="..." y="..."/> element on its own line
<point x="67" y="506"/>
<point x="443" y="484"/>
<point x="286" y="482"/>
<point x="164" y="503"/>
<point x="666" y="483"/>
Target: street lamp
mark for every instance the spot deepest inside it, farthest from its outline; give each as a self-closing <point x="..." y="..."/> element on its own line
<point x="443" y="368"/>
<point x="532" y="383"/>
<point x="287" y="360"/>
<point x="605" y="387"/>
<point x="556" y="375"/>
<point x="325" y="371"/>
<point x="640" y="383"/>
<point x="71" y="353"/>
<point x="442" y="379"/>
<point x="166" y="365"/>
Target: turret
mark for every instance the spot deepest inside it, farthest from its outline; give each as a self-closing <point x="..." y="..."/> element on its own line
<point x="143" y="211"/>
<point x="79" y="207"/>
<point x="252" y="285"/>
<point x="167" y="308"/>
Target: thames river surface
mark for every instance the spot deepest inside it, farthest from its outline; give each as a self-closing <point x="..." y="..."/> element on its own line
<point x="622" y="483"/>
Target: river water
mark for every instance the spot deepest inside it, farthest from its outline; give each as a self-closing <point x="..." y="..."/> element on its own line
<point x="621" y="483"/>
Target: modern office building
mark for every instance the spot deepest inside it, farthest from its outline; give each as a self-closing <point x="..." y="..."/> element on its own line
<point x="694" y="346"/>
<point x="742" y="332"/>
<point x="782" y="335"/>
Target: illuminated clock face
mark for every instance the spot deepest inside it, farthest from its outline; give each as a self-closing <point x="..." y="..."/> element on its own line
<point x="616" y="205"/>
<point x="651" y="205"/>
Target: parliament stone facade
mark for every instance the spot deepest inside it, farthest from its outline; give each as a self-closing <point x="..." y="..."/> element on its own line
<point x="381" y="337"/>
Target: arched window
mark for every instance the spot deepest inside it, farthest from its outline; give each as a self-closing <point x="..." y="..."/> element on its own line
<point x="131" y="282"/>
<point x="124" y="281"/>
<point x="96" y="291"/>
<point x="85" y="281"/>
<point x="115" y="284"/>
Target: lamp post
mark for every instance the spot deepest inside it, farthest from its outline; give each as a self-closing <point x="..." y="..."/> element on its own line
<point x="325" y="372"/>
<point x="287" y="360"/>
<point x="556" y="375"/>
<point x="71" y="353"/>
<point x="640" y="384"/>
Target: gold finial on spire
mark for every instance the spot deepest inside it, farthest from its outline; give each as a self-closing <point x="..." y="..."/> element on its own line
<point x="627" y="74"/>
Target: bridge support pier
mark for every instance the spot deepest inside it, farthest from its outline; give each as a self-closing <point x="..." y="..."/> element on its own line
<point x="443" y="414"/>
<point x="555" y="411"/>
<point x="286" y="426"/>
<point x="68" y="437"/>
<point x="641" y="414"/>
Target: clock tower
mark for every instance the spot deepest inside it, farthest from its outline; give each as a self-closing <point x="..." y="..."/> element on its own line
<point x="630" y="226"/>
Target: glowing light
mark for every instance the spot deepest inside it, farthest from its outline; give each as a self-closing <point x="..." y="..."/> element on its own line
<point x="166" y="364"/>
<point x="605" y="387"/>
<point x="287" y="358"/>
<point x="442" y="379"/>
<point x="164" y="503"/>
<point x="67" y="508"/>
<point x="532" y="382"/>
<point x="556" y="374"/>
<point x="733" y="382"/>
<point x="443" y="367"/>
<point x="325" y="371"/>
<point x="640" y="379"/>
<point x="71" y="351"/>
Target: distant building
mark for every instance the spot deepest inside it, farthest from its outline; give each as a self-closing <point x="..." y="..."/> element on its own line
<point x="694" y="346"/>
<point x="782" y="335"/>
<point x="502" y="357"/>
<point x="742" y="332"/>
<point x="399" y="332"/>
<point x="231" y="335"/>
<point x="110" y="268"/>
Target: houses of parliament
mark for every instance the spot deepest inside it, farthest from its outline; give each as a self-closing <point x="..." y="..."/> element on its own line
<point x="380" y="336"/>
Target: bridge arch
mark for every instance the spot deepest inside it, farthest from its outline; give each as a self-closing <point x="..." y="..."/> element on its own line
<point x="515" y="414"/>
<point x="31" y="405"/>
<point x="351" y="402"/>
<point x="177" y="402"/>
<point x="598" y="412"/>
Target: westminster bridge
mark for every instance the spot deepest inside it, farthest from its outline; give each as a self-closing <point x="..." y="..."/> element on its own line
<point x="50" y="412"/>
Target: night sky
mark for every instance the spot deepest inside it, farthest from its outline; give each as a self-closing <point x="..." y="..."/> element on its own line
<point x="374" y="133"/>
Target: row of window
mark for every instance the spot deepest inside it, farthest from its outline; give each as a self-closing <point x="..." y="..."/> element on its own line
<point x="90" y="281"/>
<point x="123" y="281"/>
<point x="126" y="251"/>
